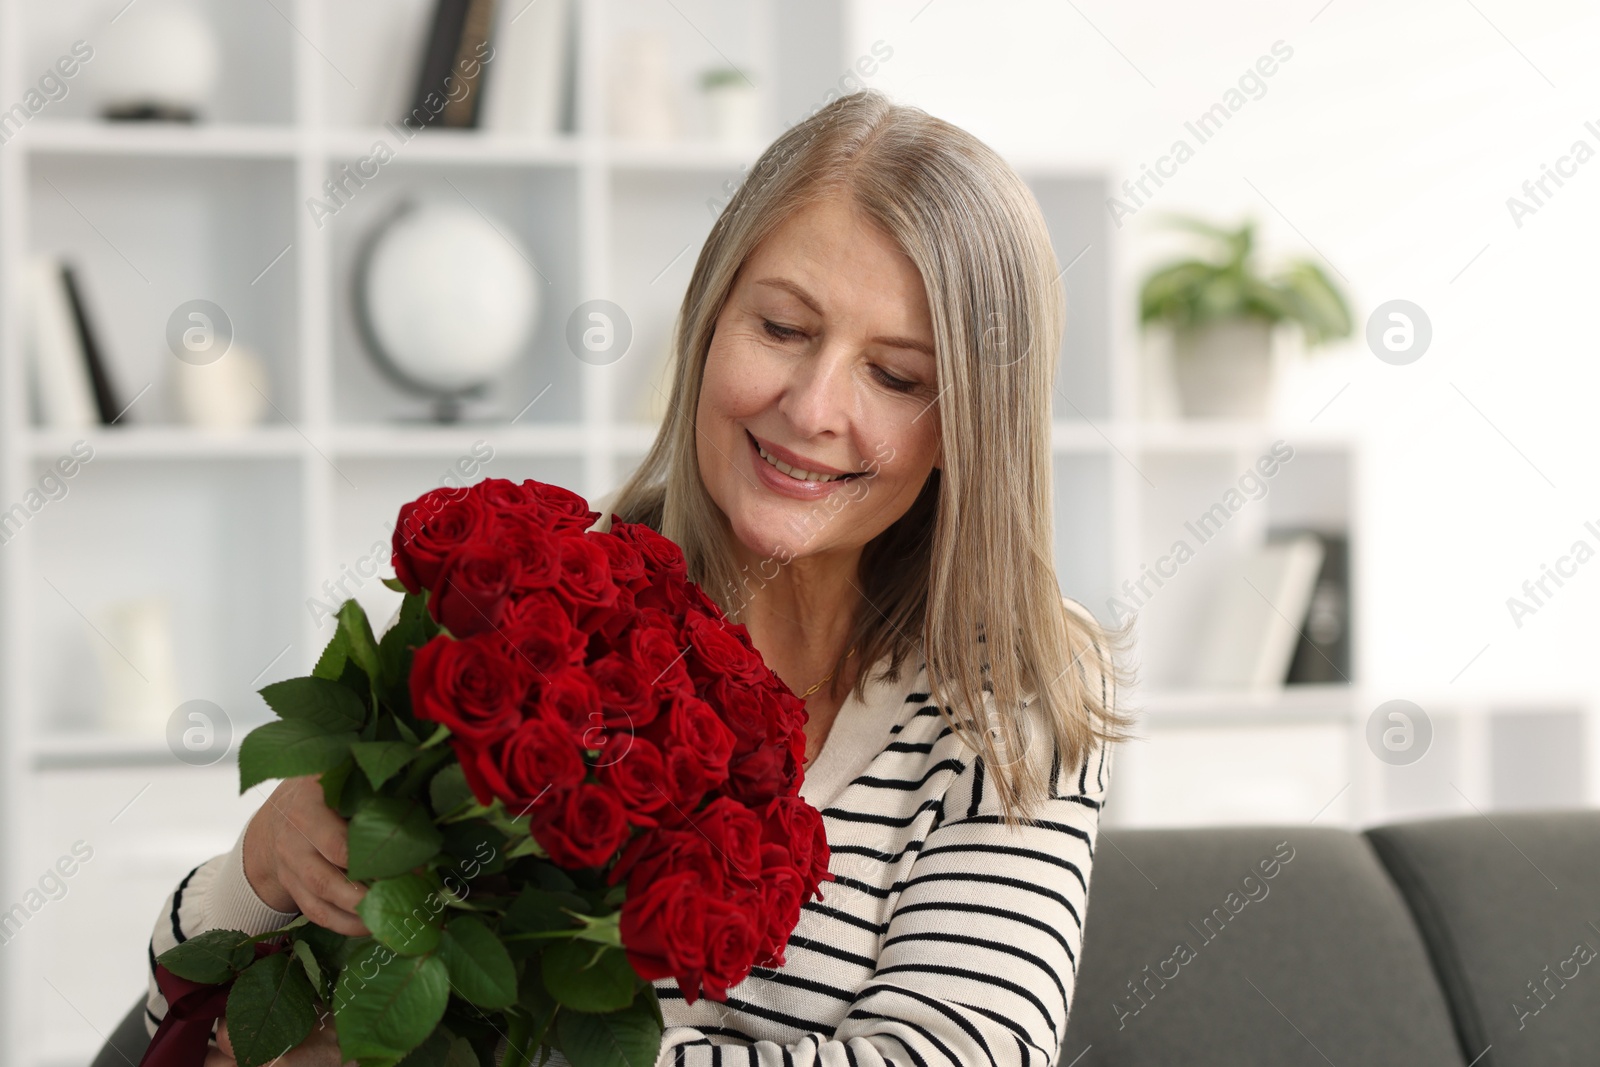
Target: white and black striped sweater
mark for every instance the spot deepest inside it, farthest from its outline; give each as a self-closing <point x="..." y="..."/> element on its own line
<point x="944" y="938"/>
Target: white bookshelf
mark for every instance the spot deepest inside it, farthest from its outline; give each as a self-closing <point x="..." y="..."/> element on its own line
<point x="239" y="530"/>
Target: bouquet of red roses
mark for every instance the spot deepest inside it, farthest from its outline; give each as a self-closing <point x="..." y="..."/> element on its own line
<point x="566" y="775"/>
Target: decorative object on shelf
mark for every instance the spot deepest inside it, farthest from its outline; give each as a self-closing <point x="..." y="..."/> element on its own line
<point x="225" y="394"/>
<point x="1222" y="313"/>
<point x="1249" y="639"/>
<point x="452" y="77"/>
<point x="446" y="301"/>
<point x="641" y="92"/>
<point x="138" y="670"/>
<point x="734" y="105"/>
<point x="533" y="64"/>
<point x="161" y="66"/>
<point x="579" y="835"/>
<point x="60" y="384"/>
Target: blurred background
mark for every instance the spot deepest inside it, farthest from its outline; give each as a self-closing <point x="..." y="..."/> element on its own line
<point x="269" y="268"/>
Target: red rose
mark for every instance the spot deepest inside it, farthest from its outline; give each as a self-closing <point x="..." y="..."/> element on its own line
<point x="654" y="854"/>
<point x="586" y="829"/>
<point x="661" y="555"/>
<point x="472" y="590"/>
<point x="663" y="931"/>
<point x="585" y="574"/>
<point x="635" y="769"/>
<point x="734" y="831"/>
<point x="430" y="528"/>
<point x="564" y="510"/>
<point x="539" y="756"/>
<point x="752" y="715"/>
<point x="717" y="654"/>
<point x="765" y="773"/>
<point x="569" y="697"/>
<point x="791" y="822"/>
<point x="733" y="934"/>
<point x="536" y="627"/>
<point x="626" y="699"/>
<point x="783" y="894"/>
<point x="690" y="723"/>
<point x="502" y="497"/>
<point x="469" y="686"/>
<point x="522" y="534"/>
<point x="627" y="562"/>
<point x="687" y="781"/>
<point x="655" y="648"/>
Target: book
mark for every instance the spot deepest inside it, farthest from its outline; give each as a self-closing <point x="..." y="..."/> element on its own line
<point x="527" y="93"/>
<point x="1254" y="624"/>
<point x="1322" y="655"/>
<point x="63" y="396"/>
<point x="439" y="51"/>
<point x="105" y="394"/>
<point x="470" y="70"/>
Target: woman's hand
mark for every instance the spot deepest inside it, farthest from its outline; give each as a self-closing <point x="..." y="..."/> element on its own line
<point x="321" y="1049"/>
<point x="295" y="851"/>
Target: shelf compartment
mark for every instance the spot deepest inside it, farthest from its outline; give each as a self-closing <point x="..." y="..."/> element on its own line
<point x="536" y="205"/>
<point x="93" y="137"/>
<point x="207" y="535"/>
<point x="149" y="235"/>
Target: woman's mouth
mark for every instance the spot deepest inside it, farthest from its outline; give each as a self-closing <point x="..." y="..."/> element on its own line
<point x="790" y="480"/>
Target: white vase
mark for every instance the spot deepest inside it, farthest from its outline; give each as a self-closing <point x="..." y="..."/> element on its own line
<point x="641" y="91"/>
<point x="1224" y="369"/>
<point x="735" y="111"/>
<point x="227" y="394"/>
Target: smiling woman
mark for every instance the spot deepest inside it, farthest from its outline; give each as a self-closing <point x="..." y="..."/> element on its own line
<point x="857" y="467"/>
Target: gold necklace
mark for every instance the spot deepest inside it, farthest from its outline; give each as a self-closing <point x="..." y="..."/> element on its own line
<point x="831" y="673"/>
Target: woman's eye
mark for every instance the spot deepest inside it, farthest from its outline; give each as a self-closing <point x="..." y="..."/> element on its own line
<point x="898" y="384"/>
<point x="780" y="333"/>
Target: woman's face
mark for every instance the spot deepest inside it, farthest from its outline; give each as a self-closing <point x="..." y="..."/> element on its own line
<point x="822" y="355"/>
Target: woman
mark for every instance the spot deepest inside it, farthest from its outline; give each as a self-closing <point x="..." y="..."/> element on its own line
<point x="857" y="466"/>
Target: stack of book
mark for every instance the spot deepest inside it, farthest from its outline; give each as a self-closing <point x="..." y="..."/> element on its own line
<point x="1287" y="620"/>
<point x="494" y="64"/>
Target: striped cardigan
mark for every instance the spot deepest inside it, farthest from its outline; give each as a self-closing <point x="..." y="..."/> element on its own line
<point x="944" y="938"/>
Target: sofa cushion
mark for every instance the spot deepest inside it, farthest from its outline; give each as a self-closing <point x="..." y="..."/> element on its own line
<point x="1509" y="904"/>
<point x="1280" y="945"/>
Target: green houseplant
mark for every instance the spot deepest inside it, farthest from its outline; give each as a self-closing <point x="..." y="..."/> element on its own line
<point x="1222" y="310"/>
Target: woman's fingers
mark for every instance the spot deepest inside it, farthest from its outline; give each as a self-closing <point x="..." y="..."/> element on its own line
<point x="222" y="1038"/>
<point x="317" y="905"/>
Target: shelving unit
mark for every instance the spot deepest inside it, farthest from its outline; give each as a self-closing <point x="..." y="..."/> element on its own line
<point x="242" y="530"/>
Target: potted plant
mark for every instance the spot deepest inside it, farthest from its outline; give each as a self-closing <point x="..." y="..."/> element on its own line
<point x="1222" y="312"/>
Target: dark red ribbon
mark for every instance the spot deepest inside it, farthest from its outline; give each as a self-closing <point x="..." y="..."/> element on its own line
<point x="184" y="1034"/>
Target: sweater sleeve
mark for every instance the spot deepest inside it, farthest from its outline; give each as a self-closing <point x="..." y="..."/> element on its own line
<point x="216" y="895"/>
<point x="979" y="962"/>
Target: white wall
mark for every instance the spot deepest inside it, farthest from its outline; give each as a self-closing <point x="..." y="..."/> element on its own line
<point x="1391" y="140"/>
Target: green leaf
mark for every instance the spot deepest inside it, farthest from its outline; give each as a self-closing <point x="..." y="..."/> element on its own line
<point x="461" y="1054"/>
<point x="327" y="703"/>
<point x="210" y="958"/>
<point x="403" y="913"/>
<point x="622" y="1039"/>
<point x="394" y="583"/>
<point x="271" y="1009"/>
<point x="382" y="760"/>
<point x="331" y="663"/>
<point x="434" y="1052"/>
<point x="449" y="790"/>
<point x="537" y="910"/>
<point x="480" y="968"/>
<point x="389" y="836"/>
<point x="386" y="1005"/>
<point x="587" y="977"/>
<point x="308" y="959"/>
<point x="333" y="782"/>
<point x="357" y="632"/>
<point x="288" y="749"/>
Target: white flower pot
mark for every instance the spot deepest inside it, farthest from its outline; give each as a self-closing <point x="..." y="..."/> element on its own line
<point x="1224" y="369"/>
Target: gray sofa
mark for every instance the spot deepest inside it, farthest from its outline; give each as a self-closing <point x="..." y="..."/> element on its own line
<point x="1438" y="943"/>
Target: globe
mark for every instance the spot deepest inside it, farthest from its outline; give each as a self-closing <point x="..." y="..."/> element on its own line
<point x="446" y="299"/>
